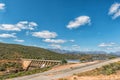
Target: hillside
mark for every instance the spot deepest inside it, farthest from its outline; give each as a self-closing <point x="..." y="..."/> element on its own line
<point x="15" y="51"/>
<point x="107" y="72"/>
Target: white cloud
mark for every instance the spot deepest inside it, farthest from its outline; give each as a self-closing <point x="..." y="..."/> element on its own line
<point x="72" y="40"/>
<point x="72" y="48"/>
<point x="18" y="40"/>
<point x="115" y="48"/>
<point x="2" y="6"/>
<point x="115" y="10"/>
<point x="79" y="21"/>
<point x="107" y="44"/>
<point x="75" y="47"/>
<point x="4" y="35"/>
<point x="9" y="27"/>
<point x="54" y="41"/>
<point x="45" y="34"/>
<point x="110" y="46"/>
<point x="18" y="26"/>
<point x="26" y="25"/>
<point x="33" y="24"/>
<point x="56" y="46"/>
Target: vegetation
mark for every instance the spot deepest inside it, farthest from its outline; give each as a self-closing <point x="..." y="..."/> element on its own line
<point x="15" y="51"/>
<point x="92" y="57"/>
<point x="86" y="58"/>
<point x="64" y="61"/>
<point x="62" y="79"/>
<point x="14" y="66"/>
<point x="10" y="55"/>
<point x="23" y="73"/>
<point x="105" y="70"/>
<point x="112" y="57"/>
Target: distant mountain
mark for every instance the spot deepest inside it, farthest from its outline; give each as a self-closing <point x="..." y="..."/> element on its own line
<point x="116" y="53"/>
<point x="61" y="51"/>
<point x="94" y="55"/>
<point x="77" y="52"/>
<point x="15" y="51"/>
<point x="95" y="52"/>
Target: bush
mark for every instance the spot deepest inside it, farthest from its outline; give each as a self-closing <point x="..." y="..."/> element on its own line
<point x="23" y="73"/>
<point x="108" y="71"/>
<point x="105" y="70"/>
<point x="2" y="68"/>
<point x="64" y="61"/>
<point x="62" y="79"/>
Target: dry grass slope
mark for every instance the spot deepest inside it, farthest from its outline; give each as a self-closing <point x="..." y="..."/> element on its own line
<point x="107" y="72"/>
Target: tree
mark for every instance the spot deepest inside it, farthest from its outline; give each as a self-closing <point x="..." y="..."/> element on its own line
<point x="64" y="61"/>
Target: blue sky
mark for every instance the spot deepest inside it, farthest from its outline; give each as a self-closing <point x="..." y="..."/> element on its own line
<point x="81" y="25"/>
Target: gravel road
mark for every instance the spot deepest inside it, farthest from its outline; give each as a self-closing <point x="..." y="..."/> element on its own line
<point x="54" y="75"/>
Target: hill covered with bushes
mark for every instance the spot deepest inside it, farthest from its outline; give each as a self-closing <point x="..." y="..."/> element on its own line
<point x="15" y="51"/>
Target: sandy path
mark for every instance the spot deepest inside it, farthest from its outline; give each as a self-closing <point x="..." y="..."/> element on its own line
<point x="61" y="73"/>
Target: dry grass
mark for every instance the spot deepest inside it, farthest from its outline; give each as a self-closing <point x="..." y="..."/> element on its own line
<point x="98" y="77"/>
<point x="99" y="73"/>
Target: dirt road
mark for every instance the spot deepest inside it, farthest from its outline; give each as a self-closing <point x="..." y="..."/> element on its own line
<point x="55" y="74"/>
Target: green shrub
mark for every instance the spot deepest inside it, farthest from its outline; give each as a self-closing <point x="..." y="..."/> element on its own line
<point x="23" y="73"/>
<point x="108" y="71"/>
<point x="2" y="68"/>
<point x="105" y="70"/>
<point x="64" y="61"/>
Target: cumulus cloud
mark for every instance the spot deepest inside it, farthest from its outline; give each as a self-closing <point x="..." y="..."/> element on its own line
<point x="79" y="21"/>
<point x="2" y="6"/>
<point x="107" y="44"/>
<point x="45" y="34"/>
<point x="57" y="41"/>
<point x="56" y="46"/>
<point x="18" y="40"/>
<point x="9" y="27"/>
<point x="115" y="10"/>
<point x="18" y="26"/>
<point x="4" y="35"/>
<point x="72" y="40"/>
<point x="32" y="24"/>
